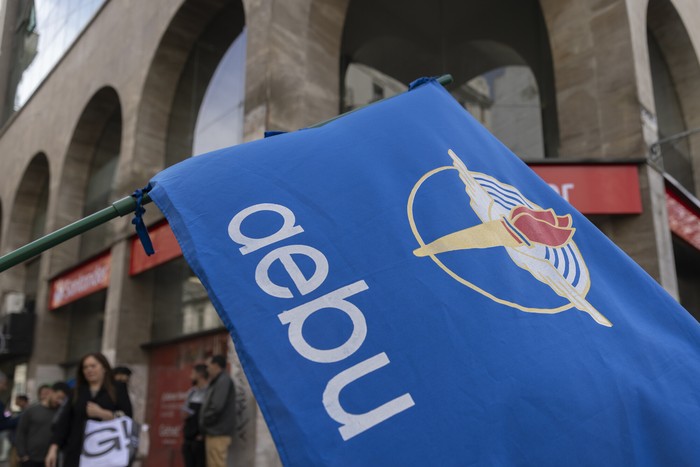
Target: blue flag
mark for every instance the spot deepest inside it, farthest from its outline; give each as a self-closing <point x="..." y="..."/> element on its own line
<point x="403" y="290"/>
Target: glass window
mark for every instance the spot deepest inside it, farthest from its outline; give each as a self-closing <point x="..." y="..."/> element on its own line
<point x="364" y="85"/>
<point x="505" y="100"/>
<point x="676" y="155"/>
<point x="220" y="117"/>
<point x="207" y="112"/>
<point x="31" y="274"/>
<point x="497" y="52"/>
<point x="44" y="30"/>
<point x="99" y="185"/>
<point x="39" y="221"/>
<point x="86" y="317"/>
<point x="181" y="304"/>
<point x="31" y="283"/>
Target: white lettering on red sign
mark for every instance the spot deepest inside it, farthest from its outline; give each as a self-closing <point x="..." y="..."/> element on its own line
<point x="563" y="189"/>
<point x="66" y="289"/>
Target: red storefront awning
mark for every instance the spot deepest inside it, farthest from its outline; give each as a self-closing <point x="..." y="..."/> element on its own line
<point x="595" y="188"/>
<point x="164" y="243"/>
<point x="81" y="281"/>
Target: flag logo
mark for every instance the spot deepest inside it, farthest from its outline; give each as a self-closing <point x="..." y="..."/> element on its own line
<point x="536" y="239"/>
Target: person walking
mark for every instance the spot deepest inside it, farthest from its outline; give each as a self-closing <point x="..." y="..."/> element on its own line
<point x="96" y="397"/>
<point x="44" y="392"/>
<point x="34" y="429"/>
<point x="193" y="443"/>
<point x="122" y="373"/>
<point x="21" y="401"/>
<point x="217" y="417"/>
<point x="7" y="422"/>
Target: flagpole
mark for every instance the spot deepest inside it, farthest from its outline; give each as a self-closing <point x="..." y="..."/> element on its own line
<point x="118" y="208"/>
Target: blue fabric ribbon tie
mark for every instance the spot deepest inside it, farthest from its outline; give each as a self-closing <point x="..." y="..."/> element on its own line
<point x="141" y="229"/>
<point x="420" y="82"/>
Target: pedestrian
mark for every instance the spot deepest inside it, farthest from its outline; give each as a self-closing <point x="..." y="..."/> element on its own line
<point x="217" y="418"/>
<point x="96" y="397"/>
<point x="44" y="392"/>
<point x="21" y="401"/>
<point x="34" y="428"/>
<point x="122" y="373"/>
<point x="193" y="442"/>
<point x="6" y="419"/>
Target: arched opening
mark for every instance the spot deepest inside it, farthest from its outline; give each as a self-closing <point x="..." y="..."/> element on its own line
<point x="207" y="111"/>
<point x="87" y="180"/>
<point x="497" y="51"/>
<point x="87" y="185"/>
<point x="27" y="223"/>
<point x="100" y="181"/>
<point x="193" y="96"/>
<point x="675" y="73"/>
<point x="192" y="103"/>
<point x="28" y="215"/>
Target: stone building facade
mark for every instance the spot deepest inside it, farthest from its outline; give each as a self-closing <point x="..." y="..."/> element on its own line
<point x="141" y="85"/>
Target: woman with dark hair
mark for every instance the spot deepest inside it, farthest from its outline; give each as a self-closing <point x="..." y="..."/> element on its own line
<point x="96" y="397"/>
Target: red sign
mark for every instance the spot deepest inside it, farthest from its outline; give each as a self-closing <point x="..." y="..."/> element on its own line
<point x="164" y="244"/>
<point x="168" y="383"/>
<point x="595" y="189"/>
<point x="683" y="219"/>
<point x="80" y="282"/>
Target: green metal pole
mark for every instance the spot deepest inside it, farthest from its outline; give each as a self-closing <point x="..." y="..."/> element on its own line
<point x="118" y="208"/>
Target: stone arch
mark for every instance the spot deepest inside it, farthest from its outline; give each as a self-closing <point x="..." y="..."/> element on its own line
<point x="461" y="38"/>
<point x="27" y="218"/>
<point x="160" y="108"/>
<point x="675" y="72"/>
<point x="31" y="194"/>
<point x="97" y="132"/>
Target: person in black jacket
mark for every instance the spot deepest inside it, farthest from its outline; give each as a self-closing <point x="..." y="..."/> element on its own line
<point x="193" y="439"/>
<point x="96" y="397"/>
<point x="6" y="421"/>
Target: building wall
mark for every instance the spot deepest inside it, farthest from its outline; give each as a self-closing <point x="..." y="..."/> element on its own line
<point x="604" y="99"/>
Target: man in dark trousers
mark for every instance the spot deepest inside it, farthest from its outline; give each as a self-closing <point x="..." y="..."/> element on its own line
<point x="193" y="443"/>
<point x="217" y="418"/>
<point x="34" y="429"/>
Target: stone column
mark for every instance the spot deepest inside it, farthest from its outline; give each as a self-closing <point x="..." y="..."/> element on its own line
<point x="601" y="115"/>
<point x="128" y="324"/>
<point x="50" y="336"/>
<point x="293" y="64"/>
<point x="292" y="81"/>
